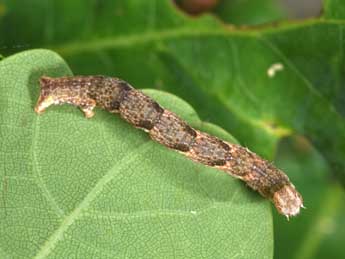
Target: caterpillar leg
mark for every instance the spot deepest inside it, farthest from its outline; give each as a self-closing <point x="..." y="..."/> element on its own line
<point x="88" y="107"/>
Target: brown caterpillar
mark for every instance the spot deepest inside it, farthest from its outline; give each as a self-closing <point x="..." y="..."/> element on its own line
<point x="165" y="127"/>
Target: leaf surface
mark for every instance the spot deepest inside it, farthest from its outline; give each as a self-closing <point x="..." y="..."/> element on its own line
<point x="99" y="188"/>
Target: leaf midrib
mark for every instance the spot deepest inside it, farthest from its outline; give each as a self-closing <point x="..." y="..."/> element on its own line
<point x="76" y="47"/>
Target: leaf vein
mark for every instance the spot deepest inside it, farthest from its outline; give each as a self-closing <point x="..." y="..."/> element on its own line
<point x="58" y="235"/>
<point x="37" y="171"/>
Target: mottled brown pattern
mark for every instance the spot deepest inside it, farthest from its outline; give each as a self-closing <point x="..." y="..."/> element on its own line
<point x="140" y="110"/>
<point x="173" y="132"/>
<point x="165" y="127"/>
<point x="209" y="150"/>
<point x="258" y="173"/>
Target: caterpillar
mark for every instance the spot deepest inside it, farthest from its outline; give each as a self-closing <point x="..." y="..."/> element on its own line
<point x="165" y="127"/>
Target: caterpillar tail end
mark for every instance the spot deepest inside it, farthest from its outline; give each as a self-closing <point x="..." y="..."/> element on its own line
<point x="288" y="201"/>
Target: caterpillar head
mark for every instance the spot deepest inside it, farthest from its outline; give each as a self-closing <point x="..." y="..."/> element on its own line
<point x="46" y="97"/>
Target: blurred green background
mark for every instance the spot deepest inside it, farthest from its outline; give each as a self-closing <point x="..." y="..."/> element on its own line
<point x="106" y="37"/>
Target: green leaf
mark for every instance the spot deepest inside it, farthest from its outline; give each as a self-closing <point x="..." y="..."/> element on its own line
<point x="99" y="188"/>
<point x="334" y="9"/>
<point x="293" y="101"/>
